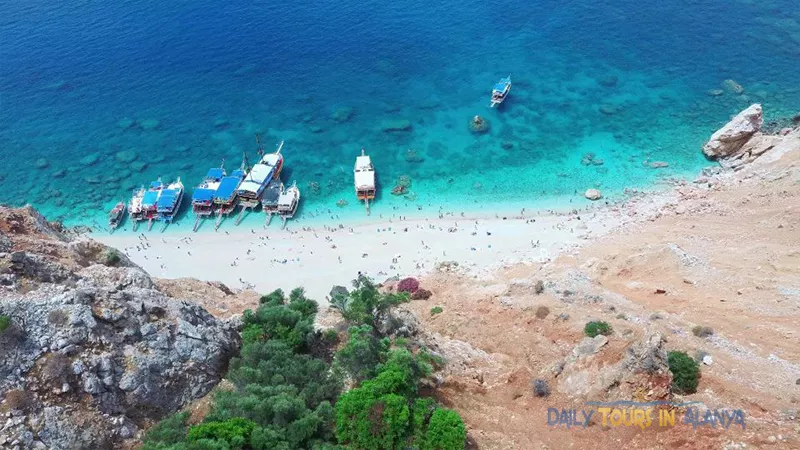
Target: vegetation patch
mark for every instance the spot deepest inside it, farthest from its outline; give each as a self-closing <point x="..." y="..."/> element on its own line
<point x="595" y="328"/>
<point x="5" y="322"/>
<point x="685" y="372"/>
<point x="702" y="331"/>
<point x="540" y="388"/>
<point x="542" y="312"/>
<point x="436" y="310"/>
<point x="112" y="257"/>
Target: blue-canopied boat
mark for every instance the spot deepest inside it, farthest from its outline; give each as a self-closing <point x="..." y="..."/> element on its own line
<point x="226" y="197"/>
<point x="203" y="195"/>
<point x="500" y="91"/>
<point x="169" y="202"/>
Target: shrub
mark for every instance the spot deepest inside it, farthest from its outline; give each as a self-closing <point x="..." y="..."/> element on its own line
<point x="169" y="431"/>
<point x="436" y="310"/>
<point x="702" y="331"/>
<point x="685" y="372"/>
<point x="595" y="328"/>
<point x="540" y="388"/>
<point x="58" y="317"/>
<point x="235" y="431"/>
<point x="421" y="294"/>
<point x="542" y="312"/>
<point x="362" y="353"/>
<point x="366" y="302"/>
<point x="408" y="285"/>
<point x="446" y="431"/>
<point x="18" y="399"/>
<point x="5" y="322"/>
<point x="112" y="257"/>
<point x="539" y="287"/>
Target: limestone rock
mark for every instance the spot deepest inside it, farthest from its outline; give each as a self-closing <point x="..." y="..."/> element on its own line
<point x="593" y="194"/>
<point x="733" y="87"/>
<point x="732" y="137"/>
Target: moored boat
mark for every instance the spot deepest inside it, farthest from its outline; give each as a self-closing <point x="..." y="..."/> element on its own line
<point x="226" y="197"/>
<point x="150" y="202"/>
<point x="269" y="201"/>
<point x="203" y="195"/>
<point x="288" y="202"/>
<point x="116" y="215"/>
<point x="500" y="91"/>
<point x="364" y="175"/>
<point x="169" y="202"/>
<point x="135" y="209"/>
<point x="251" y="189"/>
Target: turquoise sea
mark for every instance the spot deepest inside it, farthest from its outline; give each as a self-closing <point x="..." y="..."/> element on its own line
<point x="98" y="98"/>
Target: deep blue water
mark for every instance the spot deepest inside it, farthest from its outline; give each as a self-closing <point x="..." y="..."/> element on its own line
<point x="185" y="84"/>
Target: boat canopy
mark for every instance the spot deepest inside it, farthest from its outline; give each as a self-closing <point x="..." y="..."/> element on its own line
<point x="203" y="195"/>
<point x="501" y="85"/>
<point x="364" y="173"/>
<point x="215" y="174"/>
<point x="156" y="185"/>
<point x="168" y="199"/>
<point x="150" y="198"/>
<point x="286" y="199"/>
<point x="259" y="176"/>
<point x="227" y="187"/>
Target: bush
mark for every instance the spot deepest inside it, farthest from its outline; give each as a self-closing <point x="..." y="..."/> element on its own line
<point x="58" y="317"/>
<point x="702" y="332"/>
<point x="542" y="312"/>
<point x="539" y="287"/>
<point x="235" y="432"/>
<point x="362" y="353"/>
<point x="18" y="399"/>
<point x="408" y="285"/>
<point x="5" y="322"/>
<point x="595" y="328"/>
<point x="365" y="302"/>
<point x="436" y="310"/>
<point x="56" y="369"/>
<point x="446" y="431"/>
<point x="169" y="431"/>
<point x="421" y="294"/>
<point x="112" y="257"/>
<point x="685" y="372"/>
<point x="540" y="388"/>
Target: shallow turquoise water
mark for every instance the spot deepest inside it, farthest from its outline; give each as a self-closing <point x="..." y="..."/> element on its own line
<point x="183" y="85"/>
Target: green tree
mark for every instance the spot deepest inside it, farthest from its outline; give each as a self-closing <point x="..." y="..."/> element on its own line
<point x="362" y="353"/>
<point x="166" y="433"/>
<point x="445" y="431"/>
<point x="685" y="372"/>
<point x="594" y="328"/>
<point x="234" y="432"/>
<point x="365" y="302"/>
<point x="5" y="322"/>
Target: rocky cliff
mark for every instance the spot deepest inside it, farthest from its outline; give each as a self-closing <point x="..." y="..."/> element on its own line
<point x="92" y="351"/>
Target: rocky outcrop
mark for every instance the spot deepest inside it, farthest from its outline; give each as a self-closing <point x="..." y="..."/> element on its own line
<point x="94" y="353"/>
<point x="729" y="139"/>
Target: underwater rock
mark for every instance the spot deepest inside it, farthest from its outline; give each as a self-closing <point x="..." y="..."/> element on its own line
<point x="402" y="186"/>
<point x="60" y="173"/>
<point x="137" y="166"/>
<point x="608" y="81"/>
<point x="247" y="69"/>
<point x="341" y="203"/>
<point x="90" y="159"/>
<point x="733" y="87"/>
<point x="221" y="124"/>
<point x="590" y="160"/>
<point x="149" y="124"/>
<point x="159" y="159"/>
<point x="182" y="149"/>
<point x="507" y="145"/>
<point x="126" y="156"/>
<point x="93" y="179"/>
<point x="609" y="109"/>
<point x="316" y="129"/>
<point x="42" y="163"/>
<point x="593" y="194"/>
<point x="314" y="188"/>
<point x="396" y="125"/>
<point x="478" y="125"/>
<point x="342" y="114"/>
<point x="658" y="164"/>
<point x="715" y="92"/>
<point x="732" y="137"/>
<point x="412" y="156"/>
<point x="126" y="122"/>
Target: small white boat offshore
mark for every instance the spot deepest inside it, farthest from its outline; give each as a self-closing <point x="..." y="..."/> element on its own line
<point x="364" y="175"/>
<point x="500" y="91"/>
<point x="287" y="203"/>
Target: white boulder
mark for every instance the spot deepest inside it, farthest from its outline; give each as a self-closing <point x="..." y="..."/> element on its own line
<point x="729" y="139"/>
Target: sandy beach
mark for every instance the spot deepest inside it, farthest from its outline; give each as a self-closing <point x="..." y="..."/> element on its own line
<point x="320" y="257"/>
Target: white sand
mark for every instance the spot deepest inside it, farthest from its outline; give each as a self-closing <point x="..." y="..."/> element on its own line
<point x="320" y="257"/>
